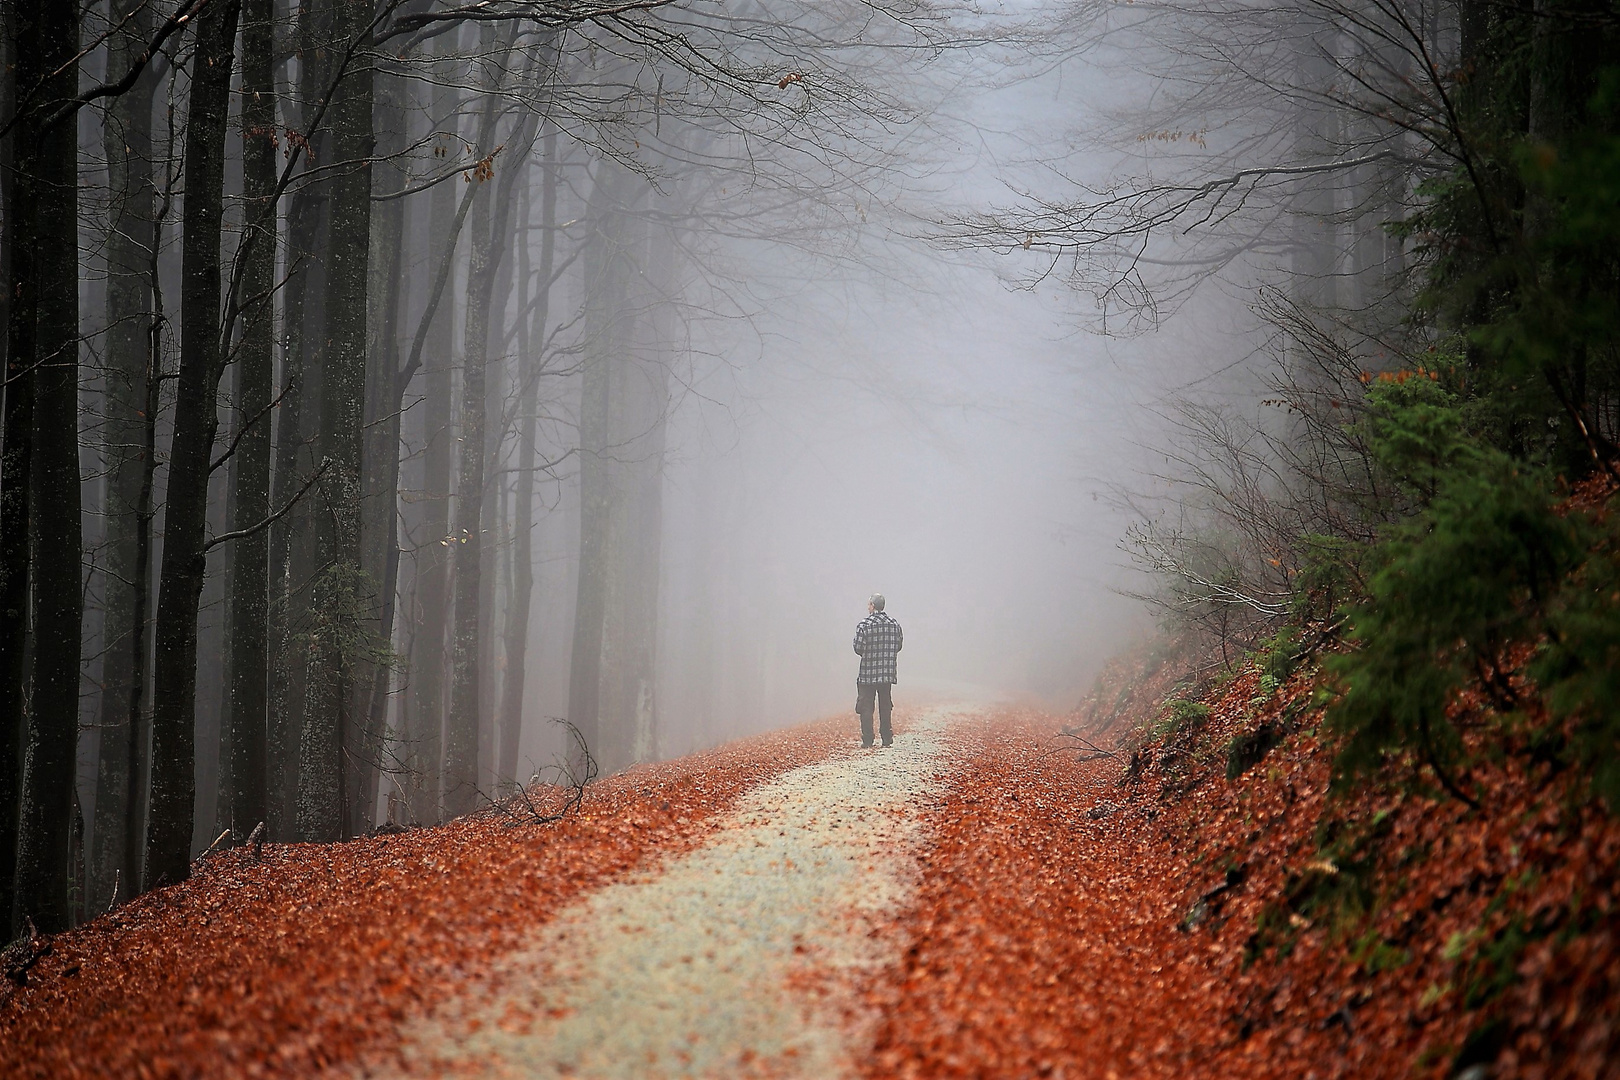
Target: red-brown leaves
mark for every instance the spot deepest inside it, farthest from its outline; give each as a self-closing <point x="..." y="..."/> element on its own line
<point x="1043" y="942"/>
<point x="309" y="958"/>
<point x="1044" y="937"/>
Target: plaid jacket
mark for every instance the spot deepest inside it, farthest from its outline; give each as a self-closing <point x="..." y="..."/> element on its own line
<point x="877" y="639"/>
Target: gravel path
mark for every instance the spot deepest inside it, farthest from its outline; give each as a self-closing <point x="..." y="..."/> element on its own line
<point x="729" y="961"/>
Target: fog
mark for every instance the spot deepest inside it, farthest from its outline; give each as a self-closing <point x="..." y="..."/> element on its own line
<point x="903" y="419"/>
<point x="571" y="382"/>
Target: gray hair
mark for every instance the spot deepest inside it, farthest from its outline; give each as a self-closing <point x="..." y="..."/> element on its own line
<point x="876" y="601"/>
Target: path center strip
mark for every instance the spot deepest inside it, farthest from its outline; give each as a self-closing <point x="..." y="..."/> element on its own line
<point x="698" y="969"/>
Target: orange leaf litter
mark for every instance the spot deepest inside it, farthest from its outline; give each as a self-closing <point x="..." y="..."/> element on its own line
<point x="1046" y="935"/>
<point x="311" y="957"/>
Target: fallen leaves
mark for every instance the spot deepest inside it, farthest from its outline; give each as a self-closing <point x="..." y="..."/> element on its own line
<point x="1042" y="942"/>
<point x="1257" y="928"/>
<point x="308" y="958"/>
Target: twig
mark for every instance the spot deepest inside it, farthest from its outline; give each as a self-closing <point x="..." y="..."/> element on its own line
<point x="259" y="526"/>
<point x="173" y="24"/>
<point x="520" y="807"/>
<point x="212" y="846"/>
<point x="24" y="953"/>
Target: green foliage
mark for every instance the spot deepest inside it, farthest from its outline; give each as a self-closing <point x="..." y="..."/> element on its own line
<point x="1182" y="716"/>
<point x="1376" y="956"/>
<point x="1248" y="749"/>
<point x="1579" y="669"/>
<point x="1487" y="562"/>
<point x="1276" y="655"/>
<point x="1416" y="430"/>
<point x="1467" y="576"/>
<point x="1523" y="250"/>
<point x="1330" y="575"/>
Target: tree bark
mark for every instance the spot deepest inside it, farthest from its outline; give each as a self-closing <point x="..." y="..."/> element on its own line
<point x="290" y="552"/>
<point x="461" y="724"/>
<point x="169" y="824"/>
<point x="606" y="274"/>
<point x="517" y="619"/>
<point x="246" y="783"/>
<point x="16" y="450"/>
<point x="128" y="144"/>
<point x="332" y="747"/>
<point x="489" y="240"/>
<point x="425" y="737"/>
<point x="47" y="162"/>
<point x="380" y="495"/>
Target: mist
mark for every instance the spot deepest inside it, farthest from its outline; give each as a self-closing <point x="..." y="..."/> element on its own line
<point x="460" y="401"/>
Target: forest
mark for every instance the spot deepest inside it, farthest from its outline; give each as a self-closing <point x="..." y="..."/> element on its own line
<point x="425" y="414"/>
<point x="275" y="268"/>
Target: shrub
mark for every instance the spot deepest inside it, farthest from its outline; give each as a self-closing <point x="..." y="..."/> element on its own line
<point x="1488" y="562"/>
<point x="1183" y="716"/>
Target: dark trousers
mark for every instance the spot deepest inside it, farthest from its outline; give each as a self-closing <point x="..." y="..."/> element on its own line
<point x="864" y="693"/>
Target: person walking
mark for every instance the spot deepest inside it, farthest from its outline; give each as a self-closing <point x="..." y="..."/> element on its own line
<point x="877" y="639"/>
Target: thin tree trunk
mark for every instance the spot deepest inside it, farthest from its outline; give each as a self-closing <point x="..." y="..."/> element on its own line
<point x="604" y="292"/>
<point x="128" y="144"/>
<point x="380" y="511"/>
<point x="489" y="241"/>
<point x="333" y="747"/>
<point x="289" y="538"/>
<point x="48" y="781"/>
<point x="462" y="722"/>
<point x="517" y="619"/>
<point x="138" y="730"/>
<point x="169" y="824"/>
<point x="644" y="536"/>
<point x="246" y="783"/>
<point x="425" y="738"/>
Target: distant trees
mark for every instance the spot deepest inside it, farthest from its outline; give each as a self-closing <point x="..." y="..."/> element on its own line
<point x="345" y="317"/>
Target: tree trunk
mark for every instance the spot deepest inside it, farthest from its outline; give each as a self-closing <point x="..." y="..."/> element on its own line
<point x="533" y="337"/>
<point x="645" y="528"/>
<point x="425" y="737"/>
<point x="490" y="225"/>
<point x="47" y="162"/>
<point x="128" y="144"/>
<point x="16" y="451"/>
<point x="246" y="783"/>
<point x="169" y="824"/>
<point x="606" y="275"/>
<point x="380" y="509"/>
<point x="461" y="725"/>
<point x="300" y="378"/>
<point x="333" y="745"/>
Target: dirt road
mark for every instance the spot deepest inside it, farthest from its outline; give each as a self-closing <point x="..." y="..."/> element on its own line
<point x="738" y="958"/>
<point x="791" y="906"/>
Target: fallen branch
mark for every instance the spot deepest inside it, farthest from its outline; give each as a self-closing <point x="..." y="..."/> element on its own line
<point x="521" y="807"/>
<point x="24" y="953"/>
<point x="1089" y="751"/>
<point x="211" y="847"/>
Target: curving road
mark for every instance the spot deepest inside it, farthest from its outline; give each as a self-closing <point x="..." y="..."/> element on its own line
<point x="737" y="959"/>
